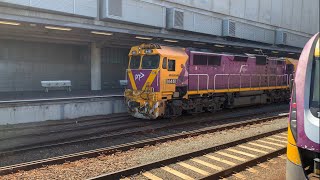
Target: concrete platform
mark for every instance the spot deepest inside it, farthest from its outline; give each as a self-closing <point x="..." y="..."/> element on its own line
<point x="37" y="107"/>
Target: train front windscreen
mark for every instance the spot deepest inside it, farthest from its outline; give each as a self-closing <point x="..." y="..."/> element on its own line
<point x="315" y="88"/>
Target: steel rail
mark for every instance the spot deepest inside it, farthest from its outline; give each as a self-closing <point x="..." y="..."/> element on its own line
<point x="149" y="166"/>
<point x="242" y="166"/>
<point x="99" y="136"/>
<point x="128" y="146"/>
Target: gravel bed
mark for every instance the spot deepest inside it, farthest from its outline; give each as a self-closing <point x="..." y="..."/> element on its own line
<point x="107" y="142"/>
<point x="103" y="164"/>
<point x="276" y="170"/>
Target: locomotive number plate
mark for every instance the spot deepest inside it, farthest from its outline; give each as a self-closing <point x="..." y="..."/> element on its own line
<point x="171" y="81"/>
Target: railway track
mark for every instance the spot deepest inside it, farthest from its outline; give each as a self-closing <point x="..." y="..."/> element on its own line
<point x="131" y="128"/>
<point x="128" y="146"/>
<point x="211" y="163"/>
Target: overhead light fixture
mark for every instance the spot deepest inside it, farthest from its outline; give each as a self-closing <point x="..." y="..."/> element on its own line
<point x="218" y="45"/>
<point x="169" y="40"/>
<point x="199" y="43"/>
<point x="291" y="53"/>
<point x="143" y="38"/>
<point x="275" y="52"/>
<point x="102" y="33"/>
<point x="257" y="50"/>
<point x="58" y="28"/>
<point x="9" y="23"/>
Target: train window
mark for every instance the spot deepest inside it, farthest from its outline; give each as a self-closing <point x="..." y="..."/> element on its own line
<point x="240" y="58"/>
<point x="315" y="88"/>
<point x="135" y="62"/>
<point x="199" y="59"/>
<point x="214" y="60"/>
<point x="164" y="63"/>
<point x="280" y="62"/>
<point x="261" y="60"/>
<point x="171" y="65"/>
<point x="150" y="62"/>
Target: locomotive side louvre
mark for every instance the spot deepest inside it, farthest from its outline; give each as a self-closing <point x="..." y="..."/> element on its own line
<point x="184" y="80"/>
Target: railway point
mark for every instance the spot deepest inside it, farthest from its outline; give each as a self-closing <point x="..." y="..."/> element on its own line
<point x="159" y="89"/>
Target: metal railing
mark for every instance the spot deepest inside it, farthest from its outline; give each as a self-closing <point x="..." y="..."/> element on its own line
<point x="260" y="76"/>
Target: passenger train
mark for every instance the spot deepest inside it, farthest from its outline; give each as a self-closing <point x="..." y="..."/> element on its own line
<point x="303" y="148"/>
<point x="165" y="82"/>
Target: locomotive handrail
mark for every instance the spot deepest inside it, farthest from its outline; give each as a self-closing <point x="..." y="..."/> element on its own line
<point x="240" y="75"/>
<point x="208" y="77"/>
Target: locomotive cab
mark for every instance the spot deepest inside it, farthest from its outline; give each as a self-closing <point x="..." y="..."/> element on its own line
<point x="152" y="75"/>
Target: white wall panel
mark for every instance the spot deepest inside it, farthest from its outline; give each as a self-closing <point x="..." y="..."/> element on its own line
<point x="136" y="11"/>
<point x="306" y="16"/>
<point x="296" y="15"/>
<point x="237" y="8"/>
<point x="287" y="6"/>
<point x="252" y="10"/>
<point x="18" y="2"/>
<point x="265" y="11"/>
<point x="221" y="6"/>
<point x="87" y="8"/>
<point x="57" y="5"/>
<point x="314" y="17"/>
<point x="276" y="12"/>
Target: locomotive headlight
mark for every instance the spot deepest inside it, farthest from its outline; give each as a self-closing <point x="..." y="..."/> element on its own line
<point x="148" y="51"/>
<point x="134" y="52"/>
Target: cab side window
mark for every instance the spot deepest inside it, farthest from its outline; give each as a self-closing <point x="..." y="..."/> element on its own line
<point x="171" y="65"/>
<point x="164" y="63"/>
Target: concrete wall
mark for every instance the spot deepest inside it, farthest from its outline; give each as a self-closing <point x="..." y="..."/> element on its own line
<point x="24" y="64"/>
<point x="114" y="65"/>
<point x="86" y="8"/>
<point x="36" y="112"/>
<point x="297" y="15"/>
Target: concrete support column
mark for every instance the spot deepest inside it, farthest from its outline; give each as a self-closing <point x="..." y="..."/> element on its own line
<point x="95" y="67"/>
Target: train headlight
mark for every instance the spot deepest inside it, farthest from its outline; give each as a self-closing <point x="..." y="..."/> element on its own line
<point x="148" y="51"/>
<point x="293" y="114"/>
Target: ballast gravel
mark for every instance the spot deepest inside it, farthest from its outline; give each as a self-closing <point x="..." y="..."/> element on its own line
<point x="91" y="167"/>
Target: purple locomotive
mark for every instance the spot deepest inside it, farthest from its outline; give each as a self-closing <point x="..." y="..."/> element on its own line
<point x="303" y="149"/>
<point x="167" y="81"/>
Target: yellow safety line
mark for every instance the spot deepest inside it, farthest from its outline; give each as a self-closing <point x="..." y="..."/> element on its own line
<point x="151" y="176"/>
<point x="240" y="152"/>
<point x="252" y="149"/>
<point x="195" y="169"/>
<point x="133" y="83"/>
<point x="273" y="139"/>
<point x="220" y="160"/>
<point x="231" y="156"/>
<point x="150" y="79"/>
<point x="207" y="164"/>
<point x="267" y="142"/>
<point x="177" y="173"/>
<point x="259" y="145"/>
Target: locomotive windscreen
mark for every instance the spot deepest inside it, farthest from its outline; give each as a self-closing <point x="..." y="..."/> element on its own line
<point x="135" y="62"/>
<point x="150" y="61"/>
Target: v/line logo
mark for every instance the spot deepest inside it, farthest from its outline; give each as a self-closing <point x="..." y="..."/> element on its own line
<point x="139" y="76"/>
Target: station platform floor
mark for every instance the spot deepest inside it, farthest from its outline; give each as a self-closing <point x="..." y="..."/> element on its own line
<point x="35" y="96"/>
<point x="26" y="107"/>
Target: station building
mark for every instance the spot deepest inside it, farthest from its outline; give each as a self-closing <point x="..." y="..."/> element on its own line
<point x="87" y="42"/>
